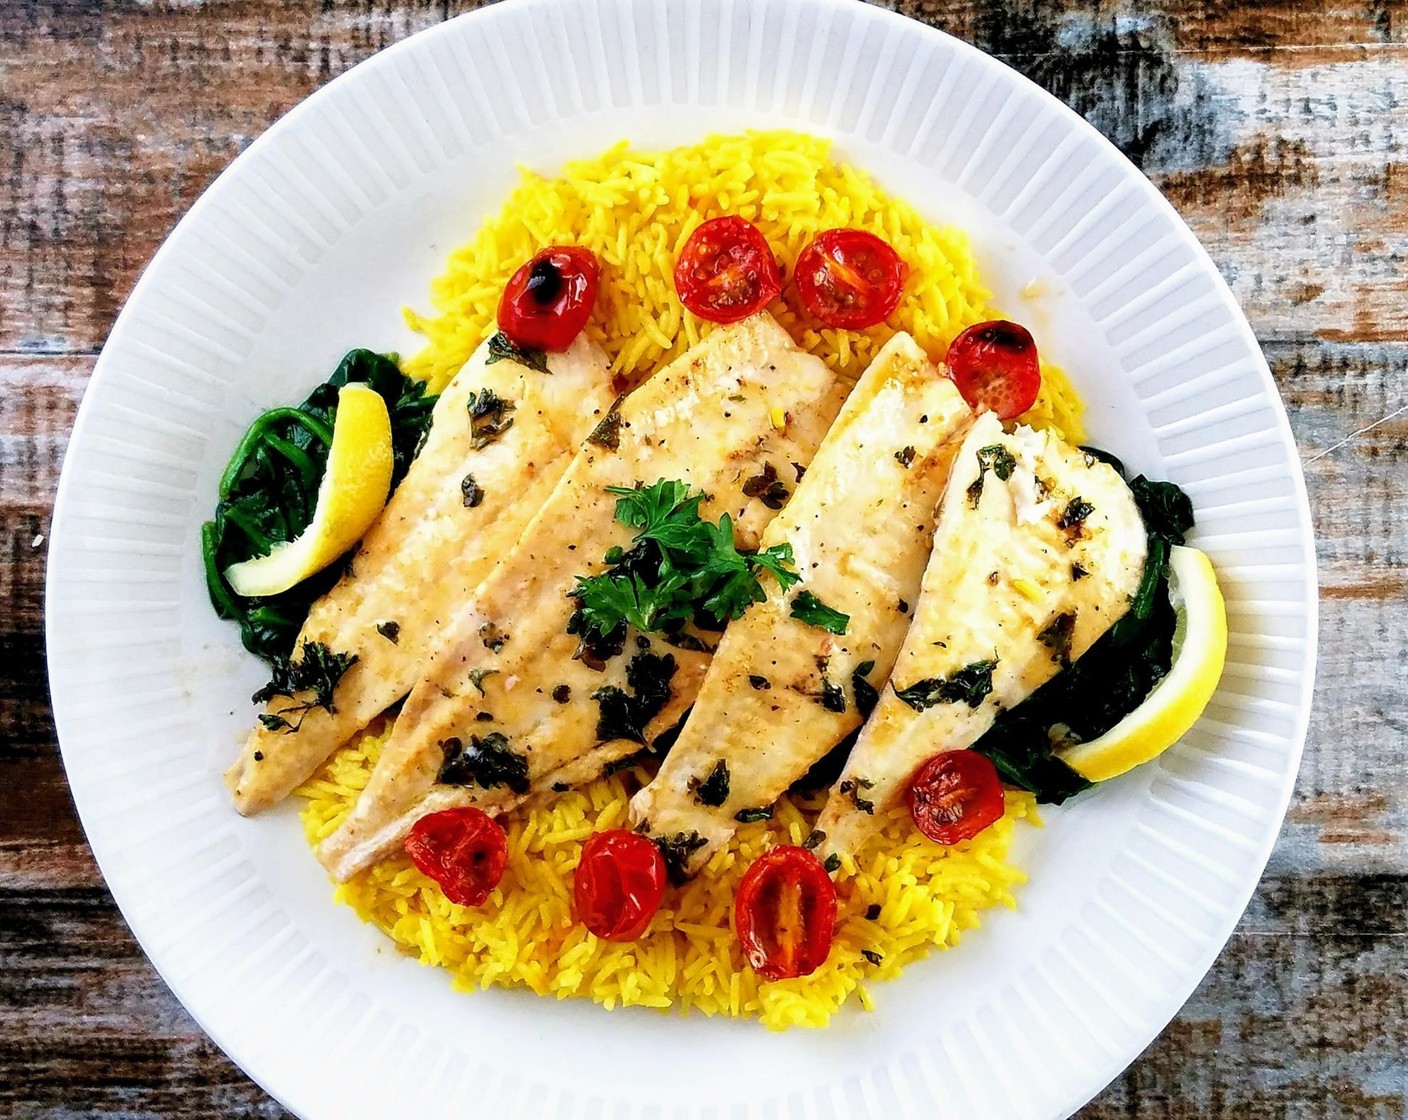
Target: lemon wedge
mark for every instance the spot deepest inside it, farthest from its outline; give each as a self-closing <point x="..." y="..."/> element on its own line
<point x="351" y="494"/>
<point x="1174" y="704"/>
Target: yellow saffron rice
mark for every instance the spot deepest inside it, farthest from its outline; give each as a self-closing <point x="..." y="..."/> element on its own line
<point x="635" y="210"/>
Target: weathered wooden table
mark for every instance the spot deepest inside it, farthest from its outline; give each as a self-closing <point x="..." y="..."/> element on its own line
<point x="1277" y="128"/>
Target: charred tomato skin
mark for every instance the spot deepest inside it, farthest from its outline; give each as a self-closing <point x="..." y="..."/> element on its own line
<point x="549" y="299"/>
<point x="619" y="884"/>
<point x="784" y="913"/>
<point x="954" y="796"/>
<point x="464" y="850"/>
<point x="849" y="278"/>
<point x="996" y="367"/>
<point x="726" y="270"/>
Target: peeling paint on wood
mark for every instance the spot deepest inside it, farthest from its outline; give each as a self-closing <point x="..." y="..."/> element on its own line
<point x="1274" y="126"/>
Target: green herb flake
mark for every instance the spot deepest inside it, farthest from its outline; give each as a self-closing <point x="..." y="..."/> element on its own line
<point x="833" y="696"/>
<point x="625" y="715"/>
<point x="832" y="862"/>
<point x="1072" y="518"/>
<point x="712" y="790"/>
<point x="488" y="417"/>
<point x="766" y="487"/>
<point x="905" y="457"/>
<point x="501" y="349"/>
<point x="752" y="816"/>
<point x="471" y="493"/>
<point x="677" y="850"/>
<point x="855" y="787"/>
<point x="865" y="693"/>
<point x="872" y="956"/>
<point x="318" y="671"/>
<point x="811" y="610"/>
<point x="487" y="762"/>
<point x="493" y="638"/>
<point x="476" y="678"/>
<point x="607" y="432"/>
<point x="1057" y="635"/>
<point x="390" y="630"/>
<point x="815" y="839"/>
<point x="968" y="685"/>
<point x="1078" y="572"/>
<point x="996" y="458"/>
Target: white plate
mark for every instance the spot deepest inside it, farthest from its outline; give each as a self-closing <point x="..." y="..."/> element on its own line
<point x="310" y="243"/>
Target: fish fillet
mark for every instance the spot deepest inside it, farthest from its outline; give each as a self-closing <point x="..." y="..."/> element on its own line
<point x="1027" y="571"/>
<point x="780" y="693"/>
<point x="506" y="685"/>
<point x="432" y="545"/>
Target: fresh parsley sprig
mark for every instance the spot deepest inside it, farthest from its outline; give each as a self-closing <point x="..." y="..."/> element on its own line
<point x="679" y="568"/>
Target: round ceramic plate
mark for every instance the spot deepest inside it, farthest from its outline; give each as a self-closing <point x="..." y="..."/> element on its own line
<point x="312" y="241"/>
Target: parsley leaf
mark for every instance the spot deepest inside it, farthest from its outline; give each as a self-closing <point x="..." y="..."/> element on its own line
<point x="814" y="612"/>
<point x="679" y="569"/>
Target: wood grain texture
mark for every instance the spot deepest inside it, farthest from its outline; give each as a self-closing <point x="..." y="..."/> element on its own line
<point x="1275" y="129"/>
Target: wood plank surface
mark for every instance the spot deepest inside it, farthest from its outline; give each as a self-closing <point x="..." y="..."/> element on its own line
<point x="1275" y="128"/>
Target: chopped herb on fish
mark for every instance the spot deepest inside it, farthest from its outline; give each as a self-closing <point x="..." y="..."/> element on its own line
<point x="390" y="630"/>
<point x="501" y="349"/>
<point x="995" y="458"/>
<point x="968" y="685"/>
<point x="487" y="762"/>
<point x="713" y="789"/>
<point x="318" y="671"/>
<point x="811" y="610"/>
<point x="471" y="492"/>
<point x="489" y="419"/>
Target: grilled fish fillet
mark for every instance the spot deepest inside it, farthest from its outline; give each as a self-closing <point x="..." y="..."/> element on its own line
<point x="506" y="691"/>
<point x="781" y="693"/>
<point x="1027" y="571"/>
<point x="435" y="541"/>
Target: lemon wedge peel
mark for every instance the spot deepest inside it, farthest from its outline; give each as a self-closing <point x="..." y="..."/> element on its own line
<point x="352" y="493"/>
<point x="1175" y="703"/>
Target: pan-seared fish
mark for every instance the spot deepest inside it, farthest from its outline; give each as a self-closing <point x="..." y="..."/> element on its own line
<point x="507" y="707"/>
<point x="1038" y="551"/>
<point x="780" y="692"/>
<point x="467" y="497"/>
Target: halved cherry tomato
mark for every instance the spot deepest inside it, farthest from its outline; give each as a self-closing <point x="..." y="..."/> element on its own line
<point x="548" y="300"/>
<point x="850" y="279"/>
<point x="461" y="849"/>
<point x="726" y="270"/>
<point x="954" y="796"/>
<point x="995" y="366"/>
<point x="619" y="884"/>
<point x="785" y="913"/>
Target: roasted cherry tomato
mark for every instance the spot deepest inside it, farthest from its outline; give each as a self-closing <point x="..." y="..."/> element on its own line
<point x="461" y="849"/>
<point x="619" y="884"/>
<point x="785" y="913"/>
<point x="727" y="271"/>
<point x="548" y="300"/>
<point x="995" y="366"/>
<point x="954" y="796"/>
<point x="850" y="279"/>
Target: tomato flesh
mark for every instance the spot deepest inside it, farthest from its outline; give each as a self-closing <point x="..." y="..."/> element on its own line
<point x="726" y="270"/>
<point x="619" y="884"/>
<point x="785" y="913"/>
<point x="549" y="299"/>
<point x="849" y="279"/>
<point x="463" y="850"/>
<point x="996" y="367"/>
<point x="954" y="796"/>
